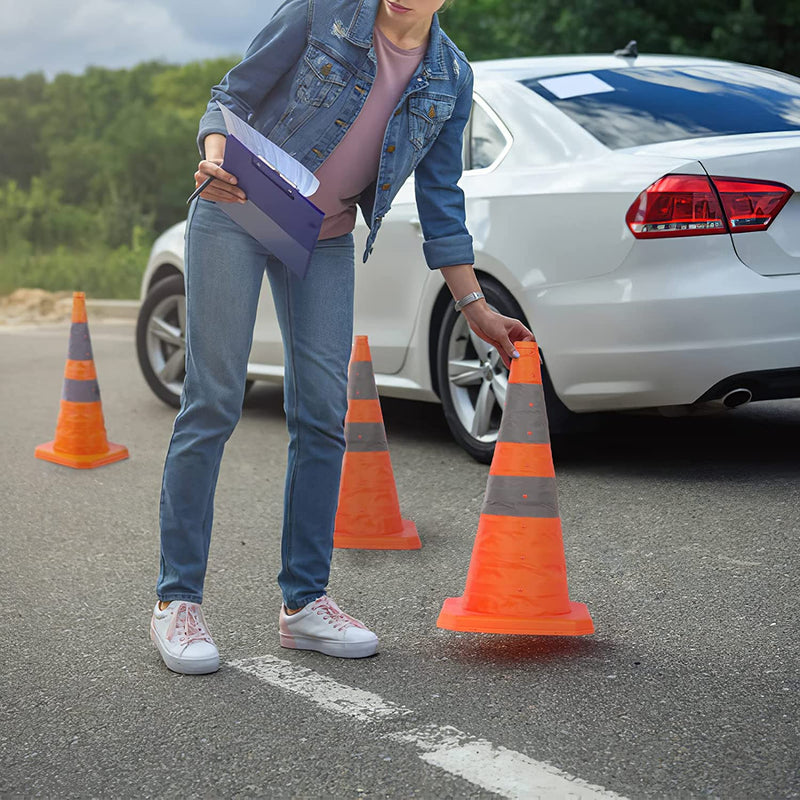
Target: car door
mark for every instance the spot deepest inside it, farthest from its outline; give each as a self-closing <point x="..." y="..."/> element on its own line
<point x="389" y="285"/>
<point x="387" y="292"/>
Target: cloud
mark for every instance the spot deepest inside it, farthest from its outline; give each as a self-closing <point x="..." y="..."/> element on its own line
<point x="235" y="22"/>
<point x="52" y="36"/>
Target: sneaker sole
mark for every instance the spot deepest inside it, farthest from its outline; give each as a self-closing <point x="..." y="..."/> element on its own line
<point x="337" y="649"/>
<point x="183" y="666"/>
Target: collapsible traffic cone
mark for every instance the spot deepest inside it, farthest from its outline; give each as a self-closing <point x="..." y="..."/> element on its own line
<point x="517" y="579"/>
<point x="369" y="511"/>
<point x="80" y="431"/>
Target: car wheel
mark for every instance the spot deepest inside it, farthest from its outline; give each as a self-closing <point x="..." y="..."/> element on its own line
<point x="473" y="379"/>
<point x="161" y="340"/>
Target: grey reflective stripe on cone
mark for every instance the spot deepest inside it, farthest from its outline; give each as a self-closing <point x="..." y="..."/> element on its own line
<point x="80" y="346"/>
<point x="80" y="391"/>
<point x="365" y="437"/>
<point x="513" y="496"/>
<point x="524" y="415"/>
<point x="361" y="382"/>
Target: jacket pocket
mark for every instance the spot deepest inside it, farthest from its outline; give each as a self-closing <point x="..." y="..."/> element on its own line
<point x="321" y="78"/>
<point x="427" y="115"/>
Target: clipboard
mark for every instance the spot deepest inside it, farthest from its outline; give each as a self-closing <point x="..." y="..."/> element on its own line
<point x="276" y="213"/>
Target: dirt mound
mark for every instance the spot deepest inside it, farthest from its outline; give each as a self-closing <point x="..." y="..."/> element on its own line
<point x="35" y="305"/>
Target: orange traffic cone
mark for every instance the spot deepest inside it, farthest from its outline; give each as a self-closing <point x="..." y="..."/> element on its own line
<point x="80" y="431"/>
<point x="369" y="511"/>
<point x="517" y="579"/>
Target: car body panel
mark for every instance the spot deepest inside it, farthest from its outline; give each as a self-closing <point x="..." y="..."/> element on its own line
<point x="662" y="330"/>
<point x="389" y="285"/>
<point x="758" y="156"/>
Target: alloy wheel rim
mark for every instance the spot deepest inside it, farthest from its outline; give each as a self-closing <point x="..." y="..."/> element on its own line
<point x="166" y="342"/>
<point x="478" y="382"/>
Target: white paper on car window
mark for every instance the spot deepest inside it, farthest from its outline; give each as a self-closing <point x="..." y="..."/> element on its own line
<point x="575" y="85"/>
<point x="290" y="168"/>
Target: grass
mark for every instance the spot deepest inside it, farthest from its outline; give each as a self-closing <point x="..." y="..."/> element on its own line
<point x="99" y="271"/>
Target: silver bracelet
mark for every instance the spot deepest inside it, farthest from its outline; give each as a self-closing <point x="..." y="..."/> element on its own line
<point x="470" y="298"/>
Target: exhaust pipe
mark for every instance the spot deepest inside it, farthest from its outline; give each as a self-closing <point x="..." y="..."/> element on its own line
<point x="732" y="399"/>
<point x="736" y="397"/>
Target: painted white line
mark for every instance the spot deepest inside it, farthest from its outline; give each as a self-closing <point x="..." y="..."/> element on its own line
<point x="324" y="691"/>
<point x="496" y="769"/>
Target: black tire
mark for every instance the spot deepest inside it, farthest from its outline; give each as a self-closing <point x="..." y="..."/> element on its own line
<point x="471" y="376"/>
<point x="164" y="307"/>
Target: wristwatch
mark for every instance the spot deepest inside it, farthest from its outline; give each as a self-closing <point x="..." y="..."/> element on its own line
<point x="470" y="298"/>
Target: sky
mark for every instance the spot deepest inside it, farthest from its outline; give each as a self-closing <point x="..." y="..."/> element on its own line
<point x="53" y="36"/>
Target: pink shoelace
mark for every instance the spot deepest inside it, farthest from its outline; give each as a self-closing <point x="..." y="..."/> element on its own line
<point x="334" y="615"/>
<point x="187" y="623"/>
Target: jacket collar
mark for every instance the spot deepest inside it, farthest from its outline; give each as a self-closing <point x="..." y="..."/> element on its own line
<point x="360" y="34"/>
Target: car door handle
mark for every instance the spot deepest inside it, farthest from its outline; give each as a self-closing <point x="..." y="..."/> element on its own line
<point x="415" y="223"/>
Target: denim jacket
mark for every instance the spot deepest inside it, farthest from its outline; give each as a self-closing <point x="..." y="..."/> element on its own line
<point x="303" y="81"/>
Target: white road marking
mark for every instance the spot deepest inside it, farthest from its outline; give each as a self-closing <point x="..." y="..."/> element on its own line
<point x="324" y="691"/>
<point x="495" y="769"/>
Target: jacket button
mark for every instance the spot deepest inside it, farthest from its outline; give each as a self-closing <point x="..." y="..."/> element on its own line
<point x="390" y="148"/>
<point x="398" y="112"/>
<point x="386" y="186"/>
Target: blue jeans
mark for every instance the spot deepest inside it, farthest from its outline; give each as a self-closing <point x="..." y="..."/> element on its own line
<point x="224" y="268"/>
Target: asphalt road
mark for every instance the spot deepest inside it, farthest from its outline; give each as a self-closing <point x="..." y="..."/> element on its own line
<point x="680" y="536"/>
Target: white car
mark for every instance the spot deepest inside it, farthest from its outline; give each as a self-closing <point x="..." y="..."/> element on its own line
<point x="637" y="213"/>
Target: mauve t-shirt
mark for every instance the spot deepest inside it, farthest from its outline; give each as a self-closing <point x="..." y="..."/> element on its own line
<point x="353" y="165"/>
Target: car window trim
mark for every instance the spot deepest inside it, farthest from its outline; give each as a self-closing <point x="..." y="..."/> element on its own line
<point x="506" y="133"/>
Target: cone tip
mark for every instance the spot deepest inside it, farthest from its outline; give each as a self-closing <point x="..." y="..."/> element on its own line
<point x="79" y="307"/>
<point x="361" y="351"/>
<point x="526" y="368"/>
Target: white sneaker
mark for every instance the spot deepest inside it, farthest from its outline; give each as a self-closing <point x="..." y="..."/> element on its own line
<point x="181" y="636"/>
<point x="324" y="627"/>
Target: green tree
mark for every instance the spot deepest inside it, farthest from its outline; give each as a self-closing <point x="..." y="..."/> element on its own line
<point x="760" y="32"/>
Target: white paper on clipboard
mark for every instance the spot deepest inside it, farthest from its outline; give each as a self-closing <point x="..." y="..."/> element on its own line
<point x="278" y="159"/>
<point x="567" y="86"/>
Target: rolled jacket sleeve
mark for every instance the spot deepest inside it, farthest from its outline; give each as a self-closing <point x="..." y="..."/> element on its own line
<point x="274" y="51"/>
<point x="440" y="200"/>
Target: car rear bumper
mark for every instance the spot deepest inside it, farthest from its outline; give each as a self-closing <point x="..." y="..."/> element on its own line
<point x="670" y="327"/>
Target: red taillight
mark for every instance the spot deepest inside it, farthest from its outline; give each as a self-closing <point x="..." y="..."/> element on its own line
<point x="751" y="205"/>
<point x="689" y="205"/>
<point x="676" y="205"/>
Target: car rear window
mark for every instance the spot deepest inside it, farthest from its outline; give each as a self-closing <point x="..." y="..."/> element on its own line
<point x="644" y="105"/>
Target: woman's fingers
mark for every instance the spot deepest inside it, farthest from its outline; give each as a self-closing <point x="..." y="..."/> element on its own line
<point x="223" y="188"/>
<point x="501" y="332"/>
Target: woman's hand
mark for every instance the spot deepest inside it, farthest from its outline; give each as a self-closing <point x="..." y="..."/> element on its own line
<point x="223" y="188"/>
<point x="499" y="331"/>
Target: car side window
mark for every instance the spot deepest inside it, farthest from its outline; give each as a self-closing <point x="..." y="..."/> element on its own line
<point x="486" y="140"/>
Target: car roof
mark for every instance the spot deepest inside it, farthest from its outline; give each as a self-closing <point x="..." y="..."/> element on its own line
<point x="543" y="66"/>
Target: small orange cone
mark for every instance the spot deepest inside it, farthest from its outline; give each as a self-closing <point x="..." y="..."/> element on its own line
<point x="517" y="579"/>
<point x="369" y="511"/>
<point x="80" y="431"/>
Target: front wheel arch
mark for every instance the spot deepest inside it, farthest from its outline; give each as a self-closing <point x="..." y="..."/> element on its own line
<point x="449" y="329"/>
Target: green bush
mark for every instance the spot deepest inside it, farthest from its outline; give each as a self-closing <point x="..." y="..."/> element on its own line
<point x="98" y="270"/>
